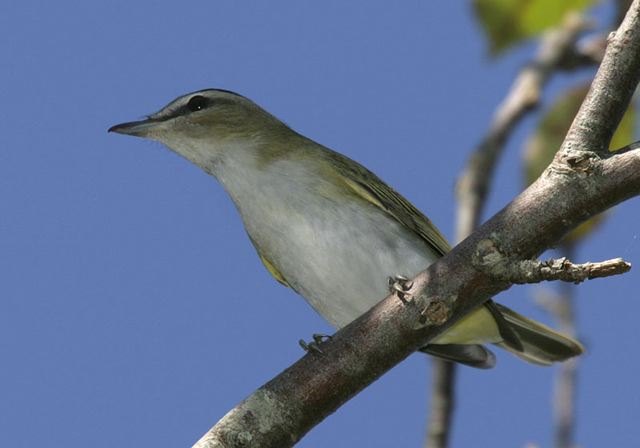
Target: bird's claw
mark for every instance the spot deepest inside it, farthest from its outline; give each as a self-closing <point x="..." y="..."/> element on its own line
<point x="400" y="285"/>
<point x="314" y="346"/>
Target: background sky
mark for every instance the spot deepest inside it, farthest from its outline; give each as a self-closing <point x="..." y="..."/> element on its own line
<point x="125" y="314"/>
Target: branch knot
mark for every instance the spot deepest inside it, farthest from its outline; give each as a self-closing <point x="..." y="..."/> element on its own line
<point x="437" y="312"/>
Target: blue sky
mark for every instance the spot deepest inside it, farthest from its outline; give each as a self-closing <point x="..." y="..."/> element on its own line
<point x="133" y="309"/>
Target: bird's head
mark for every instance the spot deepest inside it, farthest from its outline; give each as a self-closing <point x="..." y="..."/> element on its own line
<point x="202" y="125"/>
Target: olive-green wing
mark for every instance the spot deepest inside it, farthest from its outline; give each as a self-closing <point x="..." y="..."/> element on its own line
<point x="369" y="187"/>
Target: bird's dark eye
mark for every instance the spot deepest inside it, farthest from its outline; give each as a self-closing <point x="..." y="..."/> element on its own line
<point x="197" y="103"/>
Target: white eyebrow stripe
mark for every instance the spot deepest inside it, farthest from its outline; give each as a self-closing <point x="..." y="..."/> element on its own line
<point x="174" y="108"/>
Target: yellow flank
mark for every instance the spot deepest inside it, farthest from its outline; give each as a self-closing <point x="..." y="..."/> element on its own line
<point x="273" y="271"/>
<point x="478" y="327"/>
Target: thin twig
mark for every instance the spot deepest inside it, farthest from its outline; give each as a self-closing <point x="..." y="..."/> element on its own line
<point x="520" y="272"/>
<point x="587" y="53"/>
<point x="442" y="403"/>
<point x="567" y="378"/>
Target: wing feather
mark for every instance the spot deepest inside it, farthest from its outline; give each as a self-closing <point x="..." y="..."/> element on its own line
<point x="370" y="187"/>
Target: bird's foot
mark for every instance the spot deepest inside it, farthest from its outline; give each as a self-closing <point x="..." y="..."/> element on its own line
<point x="400" y="285"/>
<point x="314" y="346"/>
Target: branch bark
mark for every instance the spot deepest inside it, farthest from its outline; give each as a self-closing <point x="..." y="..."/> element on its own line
<point x="577" y="186"/>
<point x="536" y="271"/>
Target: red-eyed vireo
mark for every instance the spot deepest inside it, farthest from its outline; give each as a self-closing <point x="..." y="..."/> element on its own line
<point x="326" y="226"/>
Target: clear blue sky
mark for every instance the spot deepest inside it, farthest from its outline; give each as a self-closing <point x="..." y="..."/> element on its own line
<point x="133" y="310"/>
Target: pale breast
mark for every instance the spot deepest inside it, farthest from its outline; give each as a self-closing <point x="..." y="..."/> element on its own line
<point x="333" y="249"/>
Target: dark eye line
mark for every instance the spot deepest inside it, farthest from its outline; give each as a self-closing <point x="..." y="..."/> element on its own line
<point x="199" y="102"/>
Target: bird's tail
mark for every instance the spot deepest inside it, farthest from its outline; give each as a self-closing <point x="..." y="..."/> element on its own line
<point x="536" y="343"/>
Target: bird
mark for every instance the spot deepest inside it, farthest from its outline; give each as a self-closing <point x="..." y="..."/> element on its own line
<point x="327" y="227"/>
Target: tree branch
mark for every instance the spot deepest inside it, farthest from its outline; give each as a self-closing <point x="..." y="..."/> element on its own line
<point x="585" y="54"/>
<point x="609" y="95"/>
<point x="283" y="410"/>
<point x="473" y="186"/>
<point x="442" y="403"/>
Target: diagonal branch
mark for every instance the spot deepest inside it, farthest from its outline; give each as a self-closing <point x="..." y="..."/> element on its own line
<point x="283" y="410"/>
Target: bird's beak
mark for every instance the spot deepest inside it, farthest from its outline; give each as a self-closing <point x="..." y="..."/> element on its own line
<point x="138" y="128"/>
